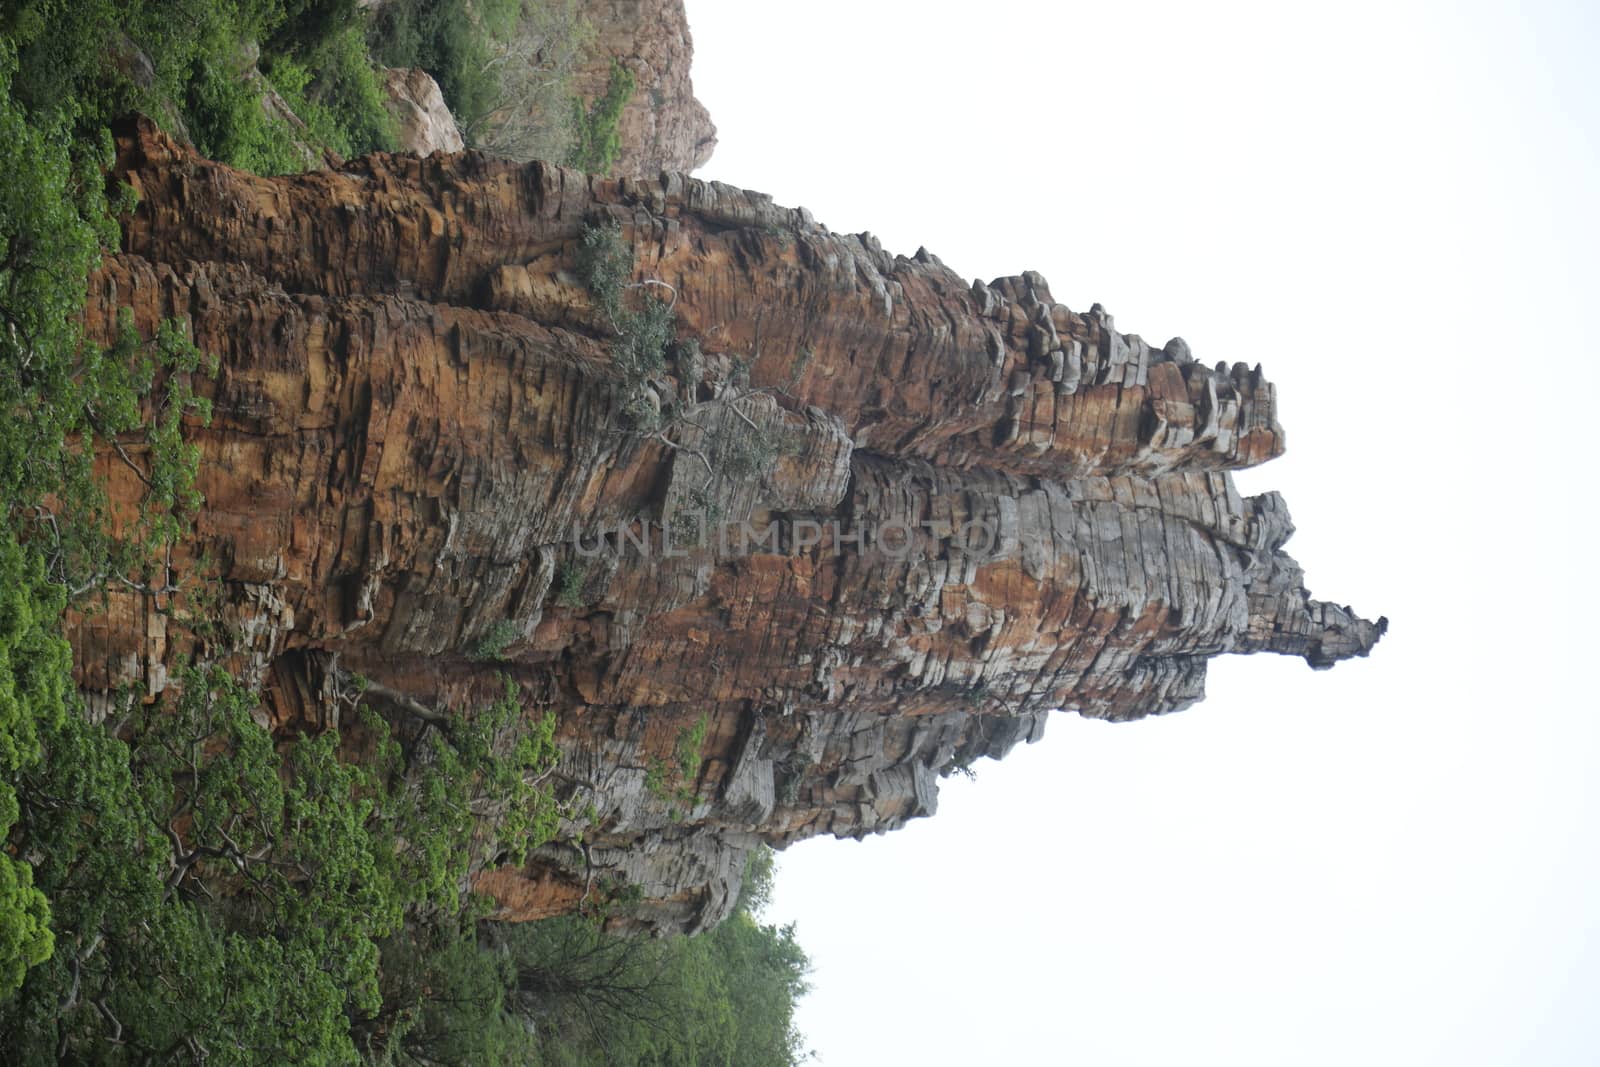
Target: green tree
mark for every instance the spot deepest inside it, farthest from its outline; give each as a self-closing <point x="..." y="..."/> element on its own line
<point x="188" y="64"/>
<point x="61" y="395"/>
<point x="597" y="140"/>
<point x="598" y="998"/>
<point x="223" y="896"/>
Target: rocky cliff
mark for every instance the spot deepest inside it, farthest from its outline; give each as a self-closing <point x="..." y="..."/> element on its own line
<point x="663" y="127"/>
<point x="888" y="521"/>
<point x="422" y="123"/>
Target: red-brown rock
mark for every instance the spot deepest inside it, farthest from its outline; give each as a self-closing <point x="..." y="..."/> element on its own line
<point x="419" y="427"/>
<point x="663" y="126"/>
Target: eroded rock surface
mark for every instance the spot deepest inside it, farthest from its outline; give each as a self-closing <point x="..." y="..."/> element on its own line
<point x="664" y="126"/>
<point x="423" y="124"/>
<point x="971" y="505"/>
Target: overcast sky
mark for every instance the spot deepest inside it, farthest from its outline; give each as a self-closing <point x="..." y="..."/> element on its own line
<point x="1392" y="206"/>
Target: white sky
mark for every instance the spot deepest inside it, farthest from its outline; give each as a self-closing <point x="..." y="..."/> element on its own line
<point x="1393" y="207"/>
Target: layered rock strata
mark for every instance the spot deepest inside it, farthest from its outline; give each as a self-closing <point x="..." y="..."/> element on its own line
<point x="664" y="126"/>
<point x="890" y="519"/>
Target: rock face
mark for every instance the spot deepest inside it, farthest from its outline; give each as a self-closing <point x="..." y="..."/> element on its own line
<point x="663" y="127"/>
<point x="423" y="125"/>
<point x="963" y="505"/>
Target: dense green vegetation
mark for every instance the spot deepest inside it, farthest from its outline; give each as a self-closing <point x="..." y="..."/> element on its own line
<point x="202" y="67"/>
<point x="190" y="64"/>
<point x="177" y="884"/>
<point x="563" y="992"/>
<point x="139" y="828"/>
<point x="461" y="43"/>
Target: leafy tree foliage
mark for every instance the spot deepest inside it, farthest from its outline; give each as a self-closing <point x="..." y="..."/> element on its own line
<point x="330" y="83"/>
<point x="225" y="899"/>
<point x="565" y="992"/>
<point x="597" y="141"/>
<point x="60" y="396"/>
<point x="187" y="64"/>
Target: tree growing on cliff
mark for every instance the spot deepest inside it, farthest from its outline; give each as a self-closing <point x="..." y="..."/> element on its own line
<point x="643" y="329"/>
<point x="597" y="137"/>
<point x="719" y="434"/>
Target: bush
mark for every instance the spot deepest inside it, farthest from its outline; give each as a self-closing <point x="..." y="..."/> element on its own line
<point x="568" y="586"/>
<point x="492" y="645"/>
<point x="605" y="263"/>
<point x="644" y="334"/>
<point x="337" y="92"/>
<point x="502" y="65"/>
<point x="227" y="121"/>
<point x="597" y="141"/>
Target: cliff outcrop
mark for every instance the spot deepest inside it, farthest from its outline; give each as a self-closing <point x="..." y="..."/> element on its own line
<point x="422" y="123"/>
<point x="663" y="126"/>
<point x="890" y="520"/>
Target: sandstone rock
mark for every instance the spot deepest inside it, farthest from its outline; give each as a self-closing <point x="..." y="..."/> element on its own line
<point x="972" y="505"/>
<point x="423" y="125"/>
<point x="663" y="126"/>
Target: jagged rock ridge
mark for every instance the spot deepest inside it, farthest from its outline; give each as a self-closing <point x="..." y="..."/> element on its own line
<point x="421" y="437"/>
